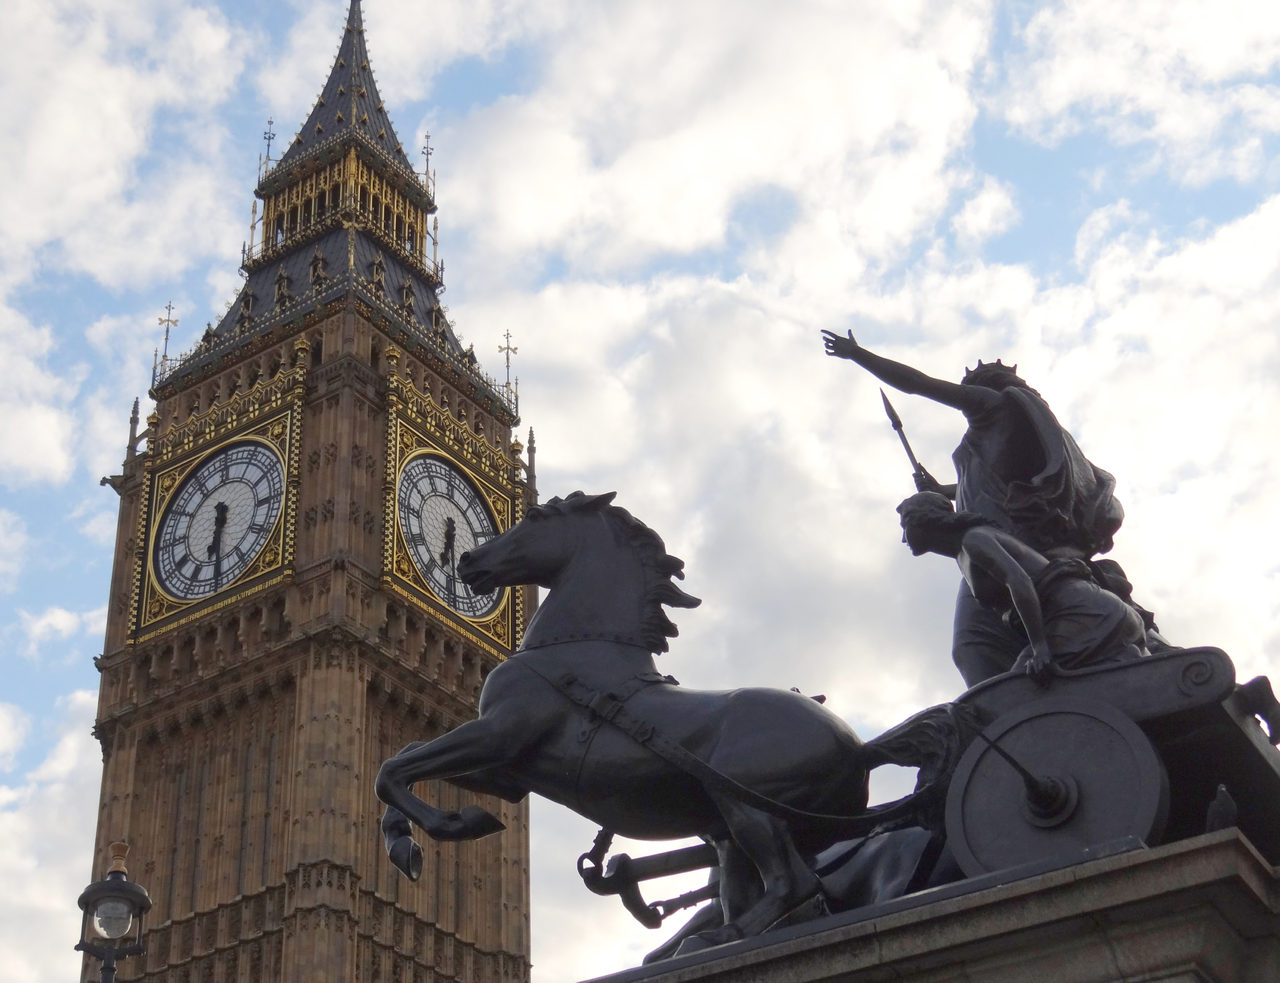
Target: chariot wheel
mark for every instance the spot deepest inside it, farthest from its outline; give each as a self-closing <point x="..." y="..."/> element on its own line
<point x="1051" y="777"/>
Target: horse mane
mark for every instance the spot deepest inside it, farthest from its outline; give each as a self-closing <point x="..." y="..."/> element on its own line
<point x="660" y="565"/>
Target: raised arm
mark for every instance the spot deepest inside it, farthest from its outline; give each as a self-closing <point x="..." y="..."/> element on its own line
<point x="986" y="547"/>
<point x="967" y="399"/>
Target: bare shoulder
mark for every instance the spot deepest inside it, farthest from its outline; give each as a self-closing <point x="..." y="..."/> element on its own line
<point x="993" y="542"/>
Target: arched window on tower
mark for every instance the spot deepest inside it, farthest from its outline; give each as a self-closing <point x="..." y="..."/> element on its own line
<point x="293" y="220"/>
<point x="279" y="229"/>
<point x="375" y="355"/>
<point x="388" y="218"/>
<point x="411" y="240"/>
<point x="364" y="197"/>
<point x="334" y="192"/>
<point x="376" y="208"/>
<point x="319" y="206"/>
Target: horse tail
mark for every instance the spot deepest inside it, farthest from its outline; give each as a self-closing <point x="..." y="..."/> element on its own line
<point x="932" y="741"/>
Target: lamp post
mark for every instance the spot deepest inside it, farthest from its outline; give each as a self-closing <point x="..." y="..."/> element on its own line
<point x="111" y="907"/>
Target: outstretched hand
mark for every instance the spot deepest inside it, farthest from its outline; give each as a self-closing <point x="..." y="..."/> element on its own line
<point x="840" y="347"/>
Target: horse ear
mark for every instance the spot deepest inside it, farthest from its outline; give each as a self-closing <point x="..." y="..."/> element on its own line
<point x="595" y="502"/>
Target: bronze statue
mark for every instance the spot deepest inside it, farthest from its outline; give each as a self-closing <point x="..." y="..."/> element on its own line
<point x="1069" y="621"/>
<point x="1017" y="467"/>
<point x="1095" y="747"/>
<point x="581" y="715"/>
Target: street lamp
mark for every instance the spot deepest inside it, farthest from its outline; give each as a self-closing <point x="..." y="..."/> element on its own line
<point x="112" y="906"/>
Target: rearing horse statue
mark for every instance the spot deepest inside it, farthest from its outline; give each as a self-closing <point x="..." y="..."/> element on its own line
<point x="581" y="715"/>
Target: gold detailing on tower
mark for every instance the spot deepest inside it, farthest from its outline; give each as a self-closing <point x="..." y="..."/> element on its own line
<point x="266" y="396"/>
<point x="416" y="425"/>
<point x="173" y="454"/>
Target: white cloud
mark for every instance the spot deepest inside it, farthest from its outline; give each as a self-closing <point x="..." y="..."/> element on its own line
<point x="35" y="442"/>
<point x="82" y="193"/>
<point x="47" y="825"/>
<point x="13" y="548"/>
<point x="1193" y="81"/>
<point x="77" y="138"/>
<point x="56" y="624"/>
<point x="14" y="725"/>
<point x="101" y="528"/>
<point x="653" y="120"/>
<point x="988" y="213"/>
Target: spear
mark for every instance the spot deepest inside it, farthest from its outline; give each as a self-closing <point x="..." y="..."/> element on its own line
<point x="902" y="434"/>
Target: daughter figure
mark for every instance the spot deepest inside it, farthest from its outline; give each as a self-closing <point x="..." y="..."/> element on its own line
<point x="1069" y="620"/>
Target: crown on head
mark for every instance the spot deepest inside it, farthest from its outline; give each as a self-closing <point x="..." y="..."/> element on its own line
<point x="971" y="376"/>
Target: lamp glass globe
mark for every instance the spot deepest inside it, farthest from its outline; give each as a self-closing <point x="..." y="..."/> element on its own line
<point x="112" y="918"/>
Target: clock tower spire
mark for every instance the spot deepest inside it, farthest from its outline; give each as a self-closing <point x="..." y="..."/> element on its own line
<point x="285" y="612"/>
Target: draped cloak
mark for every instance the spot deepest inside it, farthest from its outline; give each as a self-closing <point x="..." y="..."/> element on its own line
<point x="1070" y="502"/>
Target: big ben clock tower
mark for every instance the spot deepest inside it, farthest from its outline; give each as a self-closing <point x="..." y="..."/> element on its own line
<point x="285" y="611"/>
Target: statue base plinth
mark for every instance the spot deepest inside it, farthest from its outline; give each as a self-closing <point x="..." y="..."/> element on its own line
<point x="1206" y="908"/>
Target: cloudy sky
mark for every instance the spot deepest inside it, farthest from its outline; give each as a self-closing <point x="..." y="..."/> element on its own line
<point x="665" y="202"/>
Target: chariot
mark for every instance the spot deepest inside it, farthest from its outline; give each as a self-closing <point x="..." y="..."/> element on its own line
<point x="1105" y="759"/>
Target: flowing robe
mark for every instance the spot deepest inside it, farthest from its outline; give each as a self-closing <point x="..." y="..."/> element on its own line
<point x="1058" y="503"/>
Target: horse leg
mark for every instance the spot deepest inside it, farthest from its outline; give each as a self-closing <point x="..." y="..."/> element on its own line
<point x="740" y="884"/>
<point x="788" y="881"/>
<point x="475" y="746"/>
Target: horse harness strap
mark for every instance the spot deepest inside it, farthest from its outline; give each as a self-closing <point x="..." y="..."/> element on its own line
<point x="608" y="706"/>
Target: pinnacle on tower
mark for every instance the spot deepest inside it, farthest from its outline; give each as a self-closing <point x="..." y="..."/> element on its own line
<point x="349" y="105"/>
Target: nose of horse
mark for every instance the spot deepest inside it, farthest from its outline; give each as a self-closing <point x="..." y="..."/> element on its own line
<point x="464" y="565"/>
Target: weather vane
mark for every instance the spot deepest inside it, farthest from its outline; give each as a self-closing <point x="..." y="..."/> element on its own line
<point x="509" y="350"/>
<point x="269" y="135"/>
<point x="169" y="321"/>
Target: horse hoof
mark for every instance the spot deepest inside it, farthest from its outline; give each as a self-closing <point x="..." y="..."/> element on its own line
<point x="480" y="823"/>
<point x="406" y="856"/>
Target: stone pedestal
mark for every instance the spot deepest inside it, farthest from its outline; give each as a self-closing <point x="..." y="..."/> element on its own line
<point x="1200" y="910"/>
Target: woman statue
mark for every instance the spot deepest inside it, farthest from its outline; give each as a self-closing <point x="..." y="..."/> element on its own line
<point x="1069" y="621"/>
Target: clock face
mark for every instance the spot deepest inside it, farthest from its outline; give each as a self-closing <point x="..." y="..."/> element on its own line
<point x="442" y="516"/>
<point x="218" y="520"/>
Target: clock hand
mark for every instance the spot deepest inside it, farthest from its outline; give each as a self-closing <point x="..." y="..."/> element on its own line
<point x="450" y="533"/>
<point x="215" y="548"/>
<point x="446" y="554"/>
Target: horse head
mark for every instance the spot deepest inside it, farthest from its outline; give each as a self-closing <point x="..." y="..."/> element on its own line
<point x="607" y="572"/>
